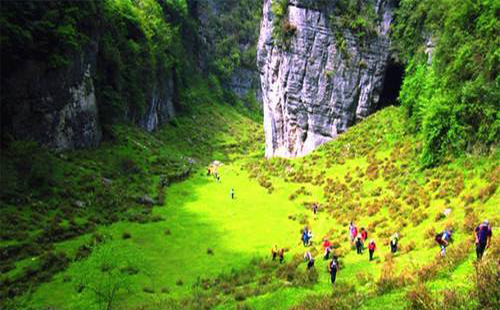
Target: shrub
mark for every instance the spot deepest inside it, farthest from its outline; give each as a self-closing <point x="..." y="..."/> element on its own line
<point x="343" y="297"/>
<point x="420" y="298"/>
<point x="364" y="277"/>
<point x="439" y="216"/>
<point x="470" y="222"/>
<point x="126" y="235"/>
<point x="408" y="247"/>
<point x="148" y="290"/>
<point x="428" y="271"/>
<point x="487" y="192"/>
<point x="487" y="281"/>
<point x="387" y="280"/>
<point x="102" y="275"/>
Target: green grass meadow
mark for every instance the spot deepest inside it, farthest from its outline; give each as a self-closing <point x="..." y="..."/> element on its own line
<point x="200" y="249"/>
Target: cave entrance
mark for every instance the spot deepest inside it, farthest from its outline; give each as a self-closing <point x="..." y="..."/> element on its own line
<point x="392" y="85"/>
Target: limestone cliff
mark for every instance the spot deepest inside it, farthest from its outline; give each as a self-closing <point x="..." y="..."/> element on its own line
<point x="54" y="107"/>
<point x="314" y="88"/>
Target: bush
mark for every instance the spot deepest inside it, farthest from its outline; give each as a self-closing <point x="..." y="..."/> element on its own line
<point x="364" y="277"/>
<point x="343" y="297"/>
<point x="420" y="298"/>
<point x="104" y="274"/>
<point x="487" y="276"/>
<point x="126" y="235"/>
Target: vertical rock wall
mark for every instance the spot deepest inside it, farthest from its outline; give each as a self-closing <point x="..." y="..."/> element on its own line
<point x="54" y="107"/>
<point x="311" y="90"/>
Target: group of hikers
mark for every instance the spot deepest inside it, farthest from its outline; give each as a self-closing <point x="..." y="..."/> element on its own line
<point x="214" y="171"/>
<point x="359" y="238"/>
<point x="482" y="234"/>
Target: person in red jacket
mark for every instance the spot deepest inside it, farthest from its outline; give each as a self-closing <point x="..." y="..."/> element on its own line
<point x="364" y="234"/>
<point x="327" y="246"/>
<point x="371" y="248"/>
<point x="364" y="237"/>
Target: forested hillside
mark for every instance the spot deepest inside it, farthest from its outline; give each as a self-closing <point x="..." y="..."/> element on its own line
<point x="451" y="86"/>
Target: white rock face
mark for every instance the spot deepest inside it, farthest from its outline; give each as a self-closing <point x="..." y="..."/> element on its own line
<point x="312" y="91"/>
<point x="161" y="106"/>
<point x="76" y="125"/>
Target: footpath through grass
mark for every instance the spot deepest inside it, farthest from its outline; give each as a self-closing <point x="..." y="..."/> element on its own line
<point x="198" y="248"/>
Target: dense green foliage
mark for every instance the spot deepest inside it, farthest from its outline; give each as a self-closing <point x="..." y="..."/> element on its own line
<point x="44" y="31"/>
<point x="143" y="41"/>
<point x="139" y="43"/>
<point x="234" y="33"/>
<point x="357" y="16"/>
<point x="453" y="102"/>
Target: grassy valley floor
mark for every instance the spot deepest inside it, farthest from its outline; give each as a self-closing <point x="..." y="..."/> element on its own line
<point x="198" y="248"/>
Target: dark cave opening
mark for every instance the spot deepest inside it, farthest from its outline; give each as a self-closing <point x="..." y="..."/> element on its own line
<point x="392" y="85"/>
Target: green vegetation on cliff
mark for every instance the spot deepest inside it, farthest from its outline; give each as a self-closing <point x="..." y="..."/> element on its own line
<point x="453" y="102"/>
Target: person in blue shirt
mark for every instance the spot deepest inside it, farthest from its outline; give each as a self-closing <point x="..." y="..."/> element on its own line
<point x="482" y="234"/>
<point x="444" y="241"/>
<point x="305" y="236"/>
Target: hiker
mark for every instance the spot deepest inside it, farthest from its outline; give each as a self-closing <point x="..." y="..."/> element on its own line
<point x="309" y="259"/>
<point x="394" y="243"/>
<point x="274" y="252"/>
<point x="307" y="256"/>
<point x="359" y="244"/>
<point x="364" y="237"/>
<point x="444" y="239"/>
<point x="353" y="232"/>
<point x="332" y="268"/>
<point x="232" y="193"/>
<point x="309" y="237"/>
<point x="327" y="246"/>
<point x="315" y="208"/>
<point x="282" y="255"/>
<point x="482" y="233"/>
<point x="215" y="172"/>
<point x="371" y="248"/>
<point x="305" y="236"/>
<point x="364" y="234"/>
<point x="310" y="263"/>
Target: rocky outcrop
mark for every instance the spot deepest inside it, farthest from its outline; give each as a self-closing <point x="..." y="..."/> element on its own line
<point x="54" y="107"/>
<point x="58" y="107"/>
<point x="313" y="89"/>
<point x="161" y="104"/>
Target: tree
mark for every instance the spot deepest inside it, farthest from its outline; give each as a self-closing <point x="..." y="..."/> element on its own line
<point x="107" y="273"/>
